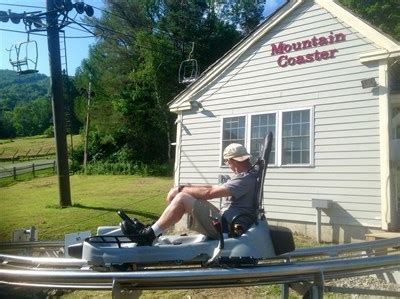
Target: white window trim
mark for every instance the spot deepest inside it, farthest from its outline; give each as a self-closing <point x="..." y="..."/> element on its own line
<point x="279" y="139"/>
<point x="248" y="137"/>
<point x="277" y="135"/>
<point x="221" y="160"/>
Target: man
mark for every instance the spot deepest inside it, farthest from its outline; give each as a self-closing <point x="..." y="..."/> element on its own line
<point x="239" y="193"/>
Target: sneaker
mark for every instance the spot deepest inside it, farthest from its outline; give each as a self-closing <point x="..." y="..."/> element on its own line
<point x="132" y="227"/>
<point x="145" y="237"/>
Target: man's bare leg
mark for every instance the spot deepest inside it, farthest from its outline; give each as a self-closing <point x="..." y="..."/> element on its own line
<point x="181" y="204"/>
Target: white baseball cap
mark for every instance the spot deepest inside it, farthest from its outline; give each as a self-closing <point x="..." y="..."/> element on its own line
<point x="236" y="152"/>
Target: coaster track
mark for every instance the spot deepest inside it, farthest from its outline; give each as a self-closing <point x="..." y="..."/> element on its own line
<point x="312" y="265"/>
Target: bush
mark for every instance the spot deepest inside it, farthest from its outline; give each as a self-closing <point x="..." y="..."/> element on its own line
<point x="108" y="168"/>
<point x="49" y="132"/>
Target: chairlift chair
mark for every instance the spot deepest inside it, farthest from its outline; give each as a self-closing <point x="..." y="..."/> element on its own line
<point x="21" y="62"/>
<point x="189" y="69"/>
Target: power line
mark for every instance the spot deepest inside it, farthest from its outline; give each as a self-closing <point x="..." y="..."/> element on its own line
<point x="105" y="29"/>
<point x="137" y="23"/>
<point x="17" y="31"/>
<point x="44" y="35"/>
<point x="22" y="5"/>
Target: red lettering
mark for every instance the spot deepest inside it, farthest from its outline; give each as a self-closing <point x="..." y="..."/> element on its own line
<point x="296" y="46"/>
<point x="284" y="60"/>
<point x="288" y="48"/>
<point x="300" y="59"/>
<point x="324" y="54"/>
<point x="307" y="44"/>
<point x="277" y="49"/>
<point x="282" y="48"/>
<point x="314" y="41"/>
<point x="284" y="63"/>
<point x="340" y="37"/>
<point x="309" y="57"/>
<point x="332" y="53"/>
<point x="322" y="41"/>
<point x="331" y="38"/>
<point x="316" y="55"/>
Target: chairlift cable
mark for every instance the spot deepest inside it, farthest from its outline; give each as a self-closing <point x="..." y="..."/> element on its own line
<point x="105" y="29"/>
<point x="191" y="52"/>
<point x="24" y="32"/>
<point x="22" y="5"/>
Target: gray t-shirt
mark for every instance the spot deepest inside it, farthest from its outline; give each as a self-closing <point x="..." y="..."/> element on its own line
<point x="242" y="187"/>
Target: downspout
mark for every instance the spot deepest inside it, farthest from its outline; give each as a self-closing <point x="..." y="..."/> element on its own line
<point x="178" y="146"/>
<point x="384" y="133"/>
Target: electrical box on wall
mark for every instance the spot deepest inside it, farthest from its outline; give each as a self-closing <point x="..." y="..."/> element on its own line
<point x="25" y="235"/>
<point x="395" y="150"/>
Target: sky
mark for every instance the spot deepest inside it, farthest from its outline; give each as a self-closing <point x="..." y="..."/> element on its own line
<point x="77" y="45"/>
<point x="77" y="42"/>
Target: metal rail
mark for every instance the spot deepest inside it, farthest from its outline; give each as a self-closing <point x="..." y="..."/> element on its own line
<point x="196" y="278"/>
<point x="310" y="265"/>
<point x="336" y="250"/>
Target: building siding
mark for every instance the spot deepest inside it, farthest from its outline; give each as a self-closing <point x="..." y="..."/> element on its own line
<point x="346" y="165"/>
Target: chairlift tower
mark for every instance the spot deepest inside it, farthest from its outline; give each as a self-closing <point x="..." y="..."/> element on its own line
<point x="53" y="41"/>
<point x="21" y="63"/>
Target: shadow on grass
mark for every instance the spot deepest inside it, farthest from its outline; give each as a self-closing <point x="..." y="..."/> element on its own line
<point x="148" y="215"/>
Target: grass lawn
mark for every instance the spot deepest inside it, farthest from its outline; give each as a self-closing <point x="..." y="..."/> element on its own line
<point x="31" y="145"/>
<point x="95" y="201"/>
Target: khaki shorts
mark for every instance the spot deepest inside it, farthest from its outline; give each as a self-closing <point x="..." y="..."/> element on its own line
<point x="200" y="220"/>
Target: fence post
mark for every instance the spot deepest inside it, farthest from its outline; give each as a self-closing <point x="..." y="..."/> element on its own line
<point x="54" y="167"/>
<point x="15" y="154"/>
<point x="33" y="169"/>
<point x="15" y="173"/>
<point x="27" y="154"/>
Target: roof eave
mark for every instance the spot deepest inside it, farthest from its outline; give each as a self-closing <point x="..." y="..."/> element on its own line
<point x="177" y="104"/>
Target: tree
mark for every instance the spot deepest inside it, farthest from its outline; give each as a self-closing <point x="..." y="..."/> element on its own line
<point x="134" y="68"/>
<point x="384" y="14"/>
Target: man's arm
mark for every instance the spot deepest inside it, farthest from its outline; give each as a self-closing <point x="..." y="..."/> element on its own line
<point x="206" y="192"/>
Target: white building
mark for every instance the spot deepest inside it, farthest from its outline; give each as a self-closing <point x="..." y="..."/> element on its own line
<point x="300" y="74"/>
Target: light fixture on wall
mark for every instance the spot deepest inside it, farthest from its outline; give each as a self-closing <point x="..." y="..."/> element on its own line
<point x="368" y="83"/>
<point x="196" y="105"/>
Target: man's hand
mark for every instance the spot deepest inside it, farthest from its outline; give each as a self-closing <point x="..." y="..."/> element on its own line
<point x="171" y="194"/>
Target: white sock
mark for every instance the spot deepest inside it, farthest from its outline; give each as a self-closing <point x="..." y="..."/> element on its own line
<point x="157" y="229"/>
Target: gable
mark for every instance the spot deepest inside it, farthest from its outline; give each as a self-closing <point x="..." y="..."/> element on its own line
<point x="322" y="24"/>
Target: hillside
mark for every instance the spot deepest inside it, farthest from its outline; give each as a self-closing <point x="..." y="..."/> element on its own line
<point x="16" y="88"/>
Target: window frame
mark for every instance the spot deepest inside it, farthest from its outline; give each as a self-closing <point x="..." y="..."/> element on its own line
<point x="312" y="137"/>
<point x="278" y="134"/>
<point x="248" y="131"/>
<point x="221" y="149"/>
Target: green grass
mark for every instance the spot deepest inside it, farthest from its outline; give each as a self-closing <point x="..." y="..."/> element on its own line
<point x="8" y="181"/>
<point x="32" y="145"/>
<point x="95" y="202"/>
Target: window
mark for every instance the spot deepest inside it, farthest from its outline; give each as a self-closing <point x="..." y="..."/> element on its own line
<point x="292" y="143"/>
<point x="296" y="137"/>
<point x="233" y="131"/>
<point x="260" y="126"/>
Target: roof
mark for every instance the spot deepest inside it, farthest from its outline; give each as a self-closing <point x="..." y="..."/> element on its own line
<point x="389" y="46"/>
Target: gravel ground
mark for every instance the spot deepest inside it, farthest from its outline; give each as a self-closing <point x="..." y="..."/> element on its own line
<point x="365" y="282"/>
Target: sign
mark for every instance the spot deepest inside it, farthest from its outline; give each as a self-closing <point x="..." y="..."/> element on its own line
<point x="283" y="48"/>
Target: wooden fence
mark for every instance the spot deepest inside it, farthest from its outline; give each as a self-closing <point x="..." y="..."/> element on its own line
<point x="30" y="168"/>
<point x="26" y="155"/>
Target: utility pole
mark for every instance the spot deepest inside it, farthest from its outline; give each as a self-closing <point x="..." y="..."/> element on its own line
<point x="54" y="9"/>
<point x="87" y="126"/>
<point x="58" y="103"/>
